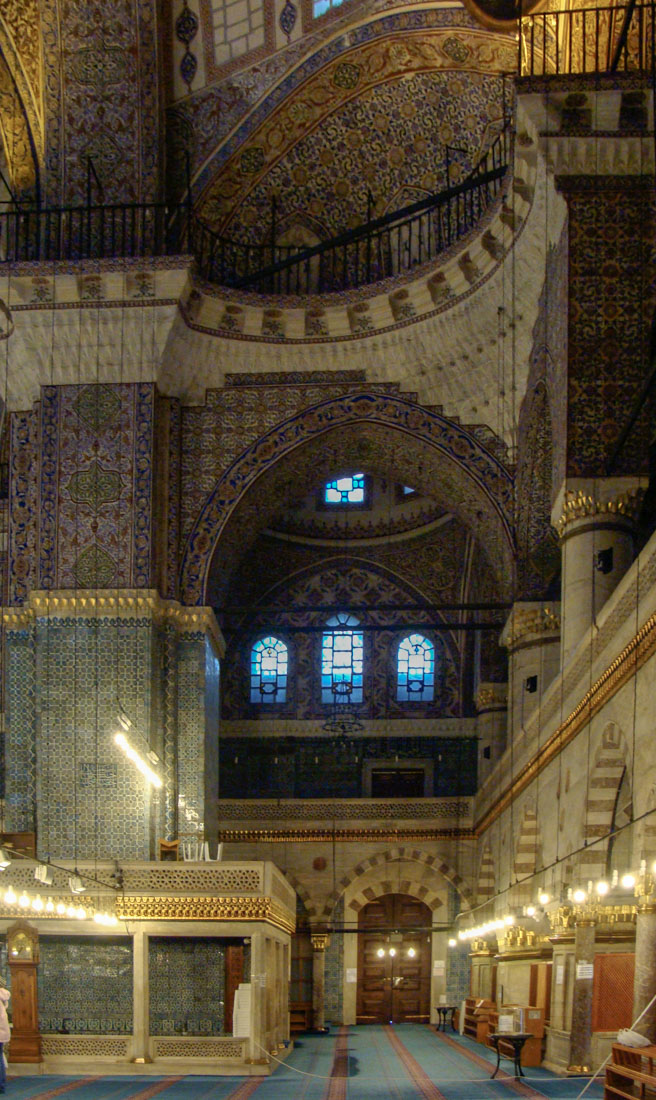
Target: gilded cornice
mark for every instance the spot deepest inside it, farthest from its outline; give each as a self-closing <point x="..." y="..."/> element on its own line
<point x="623" y="668"/>
<point x="124" y="604"/>
<point x="309" y="836"/>
<point x="138" y="907"/>
<point x="528" y="620"/>
<point x="581" y="505"/>
<point x="491" y="697"/>
<point x="610" y="921"/>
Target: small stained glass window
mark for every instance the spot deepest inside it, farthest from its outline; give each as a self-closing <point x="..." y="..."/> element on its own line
<point x="415" y="679"/>
<point x="320" y="7"/>
<point x="345" y="490"/>
<point x="341" y="660"/>
<point x="269" y="671"/>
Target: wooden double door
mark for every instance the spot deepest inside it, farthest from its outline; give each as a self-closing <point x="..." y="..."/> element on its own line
<point x="394" y="947"/>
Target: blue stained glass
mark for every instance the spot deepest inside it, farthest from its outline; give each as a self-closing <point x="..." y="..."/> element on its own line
<point x="415" y="676"/>
<point x="345" y="490"/>
<point x="269" y="671"/>
<point x="342" y="661"/>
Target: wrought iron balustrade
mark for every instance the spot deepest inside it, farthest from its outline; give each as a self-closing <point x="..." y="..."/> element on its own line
<point x="588" y="40"/>
<point x="94" y="232"/>
<point x="382" y="247"/>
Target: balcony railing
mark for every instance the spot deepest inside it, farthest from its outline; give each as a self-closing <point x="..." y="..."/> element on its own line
<point x="88" y="232"/>
<point x="588" y="40"/>
<point x="380" y="248"/>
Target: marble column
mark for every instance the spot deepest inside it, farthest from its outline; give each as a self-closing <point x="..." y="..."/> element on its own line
<point x="581" y="1032"/>
<point x="491" y="704"/>
<point x="644" y="982"/>
<point x="595" y="519"/>
<point x="319" y="944"/>
<point x="257" y="1042"/>
<point x="140" y="998"/>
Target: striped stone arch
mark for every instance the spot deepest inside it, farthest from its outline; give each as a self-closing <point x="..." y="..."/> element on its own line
<point x="486" y="887"/>
<point x="310" y="906"/>
<point x="526" y="852"/>
<point x="414" y="887"/>
<point x="393" y="855"/>
<point x="603" y="784"/>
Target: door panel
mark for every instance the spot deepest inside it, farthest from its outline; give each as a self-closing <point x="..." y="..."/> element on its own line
<point x="394" y="987"/>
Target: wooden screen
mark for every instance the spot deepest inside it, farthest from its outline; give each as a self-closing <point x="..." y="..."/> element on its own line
<point x="612" y="991"/>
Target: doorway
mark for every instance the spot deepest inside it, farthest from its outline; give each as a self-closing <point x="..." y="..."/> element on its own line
<point x="394" y="949"/>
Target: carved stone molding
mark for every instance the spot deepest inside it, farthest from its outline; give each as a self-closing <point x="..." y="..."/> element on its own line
<point x="530" y="620"/>
<point x="579" y="504"/>
<point x="491" y="697"/>
<point x="205" y="908"/>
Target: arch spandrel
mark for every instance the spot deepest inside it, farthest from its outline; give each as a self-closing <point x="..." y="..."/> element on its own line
<point x="384" y="432"/>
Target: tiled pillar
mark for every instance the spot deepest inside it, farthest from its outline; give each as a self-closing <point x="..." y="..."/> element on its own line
<point x="141" y="997"/>
<point x="319" y="943"/>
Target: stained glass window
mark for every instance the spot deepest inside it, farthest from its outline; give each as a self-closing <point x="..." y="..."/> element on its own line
<point x="320" y="7"/>
<point x="415" y="678"/>
<point x="341" y="660"/>
<point x="345" y="490"/>
<point x="269" y="671"/>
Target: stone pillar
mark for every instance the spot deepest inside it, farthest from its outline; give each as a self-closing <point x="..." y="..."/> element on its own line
<point x="140" y="997"/>
<point x="491" y="704"/>
<point x="595" y="519"/>
<point x="531" y="636"/>
<point x="581" y="1032"/>
<point x="257" y="1041"/>
<point x="644" y="982"/>
<point x="319" y="944"/>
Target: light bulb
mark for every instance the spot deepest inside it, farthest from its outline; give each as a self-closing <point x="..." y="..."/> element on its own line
<point x="543" y="898"/>
<point x="381" y="953"/>
<point x="628" y="881"/>
<point x="453" y="943"/>
<point x="37" y="904"/>
<point x="10" y="896"/>
<point x="411" y="952"/>
<point x="578" y="896"/>
<point x="530" y="910"/>
<point x="392" y="952"/>
<point x="602" y="888"/>
<point x="81" y="913"/>
<point x="50" y="906"/>
<point x="23" y="901"/>
<point x="61" y="908"/>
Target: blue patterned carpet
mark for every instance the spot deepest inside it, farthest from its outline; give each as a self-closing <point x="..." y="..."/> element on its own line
<point x="406" y="1062"/>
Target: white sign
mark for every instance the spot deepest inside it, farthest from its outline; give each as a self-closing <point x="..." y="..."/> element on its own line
<point x="351" y="974"/>
<point x="439" y="968"/>
<point x="560" y="975"/>
<point x="584" y="970"/>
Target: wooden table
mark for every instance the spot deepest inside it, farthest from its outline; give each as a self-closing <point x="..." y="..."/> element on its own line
<point x="516" y="1040"/>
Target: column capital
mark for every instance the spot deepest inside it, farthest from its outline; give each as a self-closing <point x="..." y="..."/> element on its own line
<point x="491" y="696"/>
<point x="320" y="941"/>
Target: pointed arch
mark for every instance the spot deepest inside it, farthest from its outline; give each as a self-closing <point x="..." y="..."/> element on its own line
<point x="470" y="474"/>
<point x="394" y="855"/>
<point x="611" y="759"/>
<point x="526" y="850"/>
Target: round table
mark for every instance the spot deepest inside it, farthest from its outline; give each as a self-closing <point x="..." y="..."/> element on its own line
<point x="516" y="1040"/>
<point x="442" y="1011"/>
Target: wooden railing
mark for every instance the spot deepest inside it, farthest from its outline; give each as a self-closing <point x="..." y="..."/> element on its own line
<point x="587" y="40"/>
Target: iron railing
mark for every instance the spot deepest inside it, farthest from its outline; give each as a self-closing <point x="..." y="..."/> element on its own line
<point x="587" y="40"/>
<point x="380" y="248"/>
<point x="89" y="232"/>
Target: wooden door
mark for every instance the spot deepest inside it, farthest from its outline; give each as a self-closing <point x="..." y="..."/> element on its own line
<point x="394" y="934"/>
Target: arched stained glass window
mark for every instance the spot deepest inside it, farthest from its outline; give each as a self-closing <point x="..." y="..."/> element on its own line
<point x="341" y="660"/>
<point x="269" y="671"/>
<point x="415" y="675"/>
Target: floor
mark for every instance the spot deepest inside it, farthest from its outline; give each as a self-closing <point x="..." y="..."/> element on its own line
<point x="405" y="1062"/>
